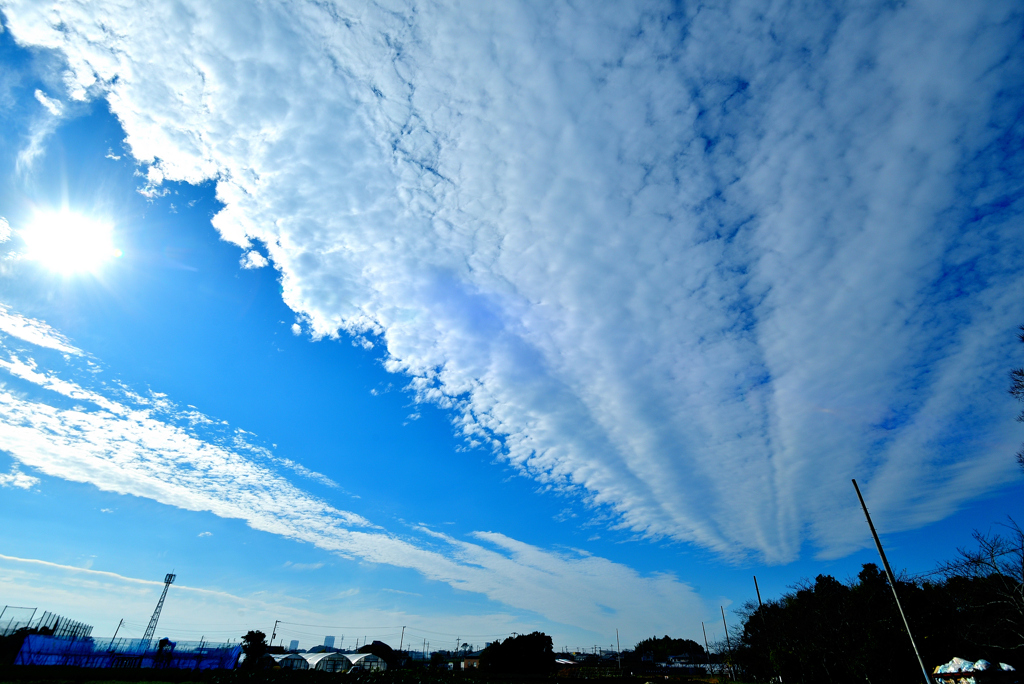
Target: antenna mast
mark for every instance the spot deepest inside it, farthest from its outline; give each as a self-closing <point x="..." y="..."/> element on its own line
<point x="151" y="629"/>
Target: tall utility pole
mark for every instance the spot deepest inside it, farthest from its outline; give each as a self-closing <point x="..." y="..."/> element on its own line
<point x="764" y="623"/>
<point x="618" y="649"/>
<point x="111" y="647"/>
<point x="274" y="633"/>
<point x="706" y="649"/>
<point x="727" y="644"/>
<point x="151" y="629"/>
<point x="892" y="583"/>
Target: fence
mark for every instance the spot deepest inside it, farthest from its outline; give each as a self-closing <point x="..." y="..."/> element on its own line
<point x="40" y="649"/>
<point x="13" y="618"/>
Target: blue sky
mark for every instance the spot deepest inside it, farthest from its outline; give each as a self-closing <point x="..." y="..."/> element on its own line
<point x="482" y="320"/>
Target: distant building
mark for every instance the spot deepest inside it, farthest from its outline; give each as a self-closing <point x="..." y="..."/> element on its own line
<point x="471" y="661"/>
<point x="329" y="641"/>
<point x="293" y="645"/>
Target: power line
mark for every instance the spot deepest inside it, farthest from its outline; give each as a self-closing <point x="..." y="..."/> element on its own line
<point x="460" y="634"/>
<point x="302" y="624"/>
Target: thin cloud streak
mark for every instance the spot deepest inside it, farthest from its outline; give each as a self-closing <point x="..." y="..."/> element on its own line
<point x="135" y="448"/>
<point x="101" y="598"/>
<point x="34" y="332"/>
<point x="699" y="266"/>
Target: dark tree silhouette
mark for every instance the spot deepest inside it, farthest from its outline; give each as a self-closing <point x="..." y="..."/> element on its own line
<point x="1017" y="390"/>
<point x="382" y="651"/>
<point x="991" y="582"/>
<point x="522" y="654"/>
<point x="851" y="633"/>
<point x="658" y="650"/>
<point x="254" y="646"/>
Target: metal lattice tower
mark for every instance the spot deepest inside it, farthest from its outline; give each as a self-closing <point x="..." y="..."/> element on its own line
<point x="151" y="629"/>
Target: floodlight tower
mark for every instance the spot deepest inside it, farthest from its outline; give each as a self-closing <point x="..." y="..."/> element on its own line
<point x="151" y="629"/>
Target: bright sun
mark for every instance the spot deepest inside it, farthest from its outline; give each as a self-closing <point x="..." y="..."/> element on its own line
<point x="67" y="242"/>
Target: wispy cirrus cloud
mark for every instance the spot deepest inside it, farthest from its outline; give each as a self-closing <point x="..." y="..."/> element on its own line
<point x="102" y="598"/>
<point x="33" y="331"/>
<point x="125" y="442"/>
<point x="303" y="566"/>
<point x="699" y="265"/>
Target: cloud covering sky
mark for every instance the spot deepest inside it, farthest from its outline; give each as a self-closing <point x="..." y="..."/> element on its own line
<point x="695" y="266"/>
<point x="670" y="258"/>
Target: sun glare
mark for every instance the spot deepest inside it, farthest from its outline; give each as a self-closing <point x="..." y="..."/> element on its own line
<point x="68" y="243"/>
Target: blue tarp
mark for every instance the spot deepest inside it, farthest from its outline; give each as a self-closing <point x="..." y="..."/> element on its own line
<point x="127" y="653"/>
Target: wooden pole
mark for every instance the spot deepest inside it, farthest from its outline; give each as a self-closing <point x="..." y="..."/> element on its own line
<point x="892" y="583"/>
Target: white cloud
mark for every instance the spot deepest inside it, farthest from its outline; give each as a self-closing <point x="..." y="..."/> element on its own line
<point x="102" y="598"/>
<point x="34" y="332"/>
<point x="306" y="472"/>
<point x="254" y="259"/>
<point x="16" y="478"/>
<point x="53" y="106"/>
<point x="126" y="450"/>
<point x="303" y="566"/>
<point x="39" y="131"/>
<point x="121" y="442"/>
<point x="5" y="230"/>
<point x="205" y="534"/>
<point x="702" y="269"/>
<point x="245" y="446"/>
